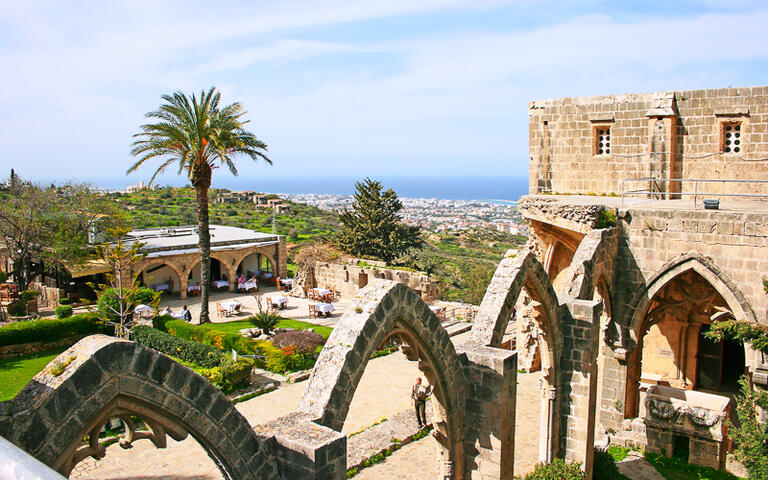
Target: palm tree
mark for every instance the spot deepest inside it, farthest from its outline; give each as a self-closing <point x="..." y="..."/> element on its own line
<point x="198" y="136"/>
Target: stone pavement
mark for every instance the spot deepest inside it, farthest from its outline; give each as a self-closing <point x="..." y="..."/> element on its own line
<point x="383" y="392"/>
<point x="379" y="437"/>
<point x="415" y="461"/>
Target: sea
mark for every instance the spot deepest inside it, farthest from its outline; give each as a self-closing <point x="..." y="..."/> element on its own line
<point x="500" y="189"/>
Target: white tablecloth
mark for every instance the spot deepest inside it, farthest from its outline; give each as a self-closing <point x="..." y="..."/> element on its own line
<point x="278" y="300"/>
<point x="435" y="308"/>
<point x="161" y="286"/>
<point x="324" y="307"/>
<point x="247" y="285"/>
<point x="141" y="308"/>
<point x="268" y="275"/>
<point x="231" y="305"/>
<point x="220" y="283"/>
<point x="287" y="281"/>
<point x="321" y="291"/>
<point x="192" y="288"/>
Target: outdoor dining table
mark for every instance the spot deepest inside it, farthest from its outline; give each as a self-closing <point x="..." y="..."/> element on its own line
<point x="220" y="283"/>
<point x="278" y="300"/>
<point x="141" y="308"/>
<point x="286" y="281"/>
<point x="232" y="305"/>
<point x="324" y="308"/>
<point x="159" y="287"/>
<point x="247" y="285"/>
<point x="193" y="288"/>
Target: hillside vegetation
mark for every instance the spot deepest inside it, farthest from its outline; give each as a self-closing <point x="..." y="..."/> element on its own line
<point x="461" y="263"/>
<point x="168" y="207"/>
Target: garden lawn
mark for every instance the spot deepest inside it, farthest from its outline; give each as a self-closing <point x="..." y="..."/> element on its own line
<point x="237" y="325"/>
<point x="676" y="469"/>
<point x="18" y="371"/>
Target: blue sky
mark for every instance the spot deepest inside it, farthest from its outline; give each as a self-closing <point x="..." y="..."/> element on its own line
<point x="348" y="88"/>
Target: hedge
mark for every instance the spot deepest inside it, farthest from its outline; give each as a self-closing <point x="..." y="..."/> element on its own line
<point x="192" y="352"/>
<point x="52" y="330"/>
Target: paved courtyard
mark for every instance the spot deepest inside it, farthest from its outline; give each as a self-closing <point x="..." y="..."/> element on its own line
<point x="383" y="392"/>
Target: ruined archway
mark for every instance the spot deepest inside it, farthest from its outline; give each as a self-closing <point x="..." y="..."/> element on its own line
<point x="513" y="275"/>
<point x="161" y="276"/>
<point x="691" y="286"/>
<point x="104" y="378"/>
<point x="387" y="308"/>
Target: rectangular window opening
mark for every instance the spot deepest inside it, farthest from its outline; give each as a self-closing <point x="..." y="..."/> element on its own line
<point x="602" y="140"/>
<point x="732" y="137"/>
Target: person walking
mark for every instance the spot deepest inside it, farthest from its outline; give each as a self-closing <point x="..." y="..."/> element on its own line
<point x="186" y="315"/>
<point x="419" y="396"/>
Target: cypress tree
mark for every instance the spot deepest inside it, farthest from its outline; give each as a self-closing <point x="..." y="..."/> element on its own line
<point x="373" y="227"/>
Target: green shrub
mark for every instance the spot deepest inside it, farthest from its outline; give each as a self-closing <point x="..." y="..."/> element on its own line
<point x="159" y="322"/>
<point x="64" y="301"/>
<point x="63" y="311"/>
<point x="230" y="374"/>
<point x="51" y="330"/>
<point x="109" y="301"/>
<point x="3" y="277"/>
<point x="266" y="321"/>
<point x="557" y="470"/>
<point x="192" y="352"/>
<point x="606" y="218"/>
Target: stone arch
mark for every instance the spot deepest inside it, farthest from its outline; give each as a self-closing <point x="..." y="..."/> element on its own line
<point x="639" y="324"/>
<point x="382" y="309"/>
<point x="159" y="261"/>
<point x="700" y="264"/>
<point x="496" y="310"/>
<point x="511" y="276"/>
<point x="592" y="261"/>
<point x="226" y="265"/>
<point x="110" y="378"/>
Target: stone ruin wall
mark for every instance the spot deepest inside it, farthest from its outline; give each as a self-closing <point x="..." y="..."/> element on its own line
<point x="346" y="279"/>
<point x="563" y="149"/>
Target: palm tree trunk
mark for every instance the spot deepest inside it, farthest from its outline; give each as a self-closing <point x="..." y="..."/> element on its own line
<point x="201" y="199"/>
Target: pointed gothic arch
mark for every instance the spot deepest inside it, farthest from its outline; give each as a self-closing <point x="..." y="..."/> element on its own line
<point x="386" y="308"/>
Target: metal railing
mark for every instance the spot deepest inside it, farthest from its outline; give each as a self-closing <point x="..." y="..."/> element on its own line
<point x="655" y="189"/>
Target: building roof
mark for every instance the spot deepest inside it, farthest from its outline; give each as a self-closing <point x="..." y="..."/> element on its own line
<point x="175" y="240"/>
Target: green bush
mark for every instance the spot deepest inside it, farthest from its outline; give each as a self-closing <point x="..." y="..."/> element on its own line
<point x="63" y="311"/>
<point x="192" y="352"/>
<point x="109" y="301"/>
<point x="266" y="321"/>
<point x="64" y="301"/>
<point x="557" y="470"/>
<point x="51" y="330"/>
<point x="159" y="322"/>
<point x="230" y="374"/>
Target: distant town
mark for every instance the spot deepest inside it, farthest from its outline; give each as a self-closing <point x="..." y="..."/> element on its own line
<point x="436" y="215"/>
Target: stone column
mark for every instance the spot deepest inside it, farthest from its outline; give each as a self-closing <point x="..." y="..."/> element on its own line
<point x="282" y="257"/>
<point x="304" y="449"/>
<point x="579" y="380"/>
<point x="664" y="161"/>
<point x="490" y="413"/>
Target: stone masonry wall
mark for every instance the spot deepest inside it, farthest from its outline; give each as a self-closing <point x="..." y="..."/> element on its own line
<point x="562" y="140"/>
<point x="347" y="279"/>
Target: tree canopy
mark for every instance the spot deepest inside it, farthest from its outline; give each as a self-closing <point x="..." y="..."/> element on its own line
<point x="54" y="224"/>
<point x="197" y="135"/>
<point x="373" y="227"/>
